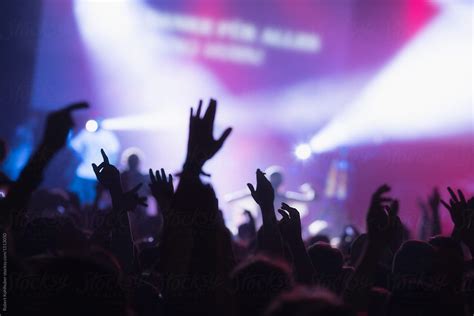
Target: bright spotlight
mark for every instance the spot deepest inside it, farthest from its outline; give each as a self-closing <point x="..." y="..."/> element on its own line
<point x="317" y="226"/>
<point x="303" y="151"/>
<point x="92" y="126"/>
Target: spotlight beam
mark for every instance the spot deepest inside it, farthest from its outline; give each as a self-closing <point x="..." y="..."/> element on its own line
<point x="424" y="92"/>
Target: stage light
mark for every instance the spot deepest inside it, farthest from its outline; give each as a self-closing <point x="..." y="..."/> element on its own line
<point x="92" y="126"/>
<point x="317" y="226"/>
<point x="303" y="151"/>
<point x="424" y="92"/>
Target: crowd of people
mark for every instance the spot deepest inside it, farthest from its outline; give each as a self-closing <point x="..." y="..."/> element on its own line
<point x="70" y="258"/>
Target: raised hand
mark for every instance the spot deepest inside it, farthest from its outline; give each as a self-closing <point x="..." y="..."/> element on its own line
<point x="201" y="143"/>
<point x="290" y="224"/>
<point x="121" y="240"/>
<point x="434" y="200"/>
<point x="264" y="195"/>
<point x="382" y="221"/>
<point x="58" y="125"/>
<point x="131" y="199"/>
<point x="290" y="228"/>
<point x="382" y="217"/>
<point x="456" y="207"/>
<point x="162" y="188"/>
<point x="107" y="174"/>
<point x="462" y="215"/>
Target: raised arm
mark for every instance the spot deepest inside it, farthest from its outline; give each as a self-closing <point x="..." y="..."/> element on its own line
<point x="58" y="126"/>
<point x="115" y="232"/>
<point x="290" y="227"/>
<point x="196" y="246"/>
<point x="462" y="215"/>
<point x="264" y="196"/>
<point x="382" y="227"/>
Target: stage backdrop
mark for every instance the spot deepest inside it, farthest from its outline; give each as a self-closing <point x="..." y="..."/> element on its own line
<point x="384" y="88"/>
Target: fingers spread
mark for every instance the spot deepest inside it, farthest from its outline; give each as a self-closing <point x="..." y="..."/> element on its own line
<point x="152" y="176"/>
<point x="198" y="114"/>
<point x="453" y="195"/>
<point x="210" y="114"/>
<point x="461" y="197"/>
<point x="446" y="205"/>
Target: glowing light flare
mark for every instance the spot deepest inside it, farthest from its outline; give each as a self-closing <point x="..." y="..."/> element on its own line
<point x="303" y="151"/>
<point x="147" y="121"/>
<point x="92" y="126"/>
<point x="317" y="226"/>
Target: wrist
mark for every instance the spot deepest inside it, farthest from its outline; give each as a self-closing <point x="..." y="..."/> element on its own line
<point x="192" y="167"/>
<point x="116" y="190"/>
<point x="456" y="234"/>
<point x="267" y="206"/>
<point x="297" y="242"/>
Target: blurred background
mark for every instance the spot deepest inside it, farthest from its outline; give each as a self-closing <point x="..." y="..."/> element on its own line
<point x="342" y="95"/>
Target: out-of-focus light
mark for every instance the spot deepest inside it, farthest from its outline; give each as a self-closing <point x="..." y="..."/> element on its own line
<point x="425" y="91"/>
<point x="92" y="126"/>
<point x="335" y="241"/>
<point x="317" y="226"/>
<point x="303" y="151"/>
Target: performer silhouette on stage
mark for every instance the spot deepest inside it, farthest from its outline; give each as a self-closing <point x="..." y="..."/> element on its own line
<point x="242" y="200"/>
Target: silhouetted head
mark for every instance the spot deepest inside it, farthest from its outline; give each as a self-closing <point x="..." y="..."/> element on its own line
<point x="257" y="281"/>
<point x="318" y="238"/>
<point x="326" y="259"/>
<point x="133" y="162"/>
<point x="413" y="270"/>
<point x="308" y="302"/>
<point x="417" y="287"/>
<point x="414" y="257"/>
<point x="246" y="231"/>
<point x="275" y="175"/>
<point x="450" y="260"/>
<point x="357" y="247"/>
<point x="132" y="157"/>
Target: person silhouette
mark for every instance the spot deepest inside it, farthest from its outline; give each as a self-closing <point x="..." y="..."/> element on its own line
<point x="87" y="145"/>
<point x="275" y="174"/>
